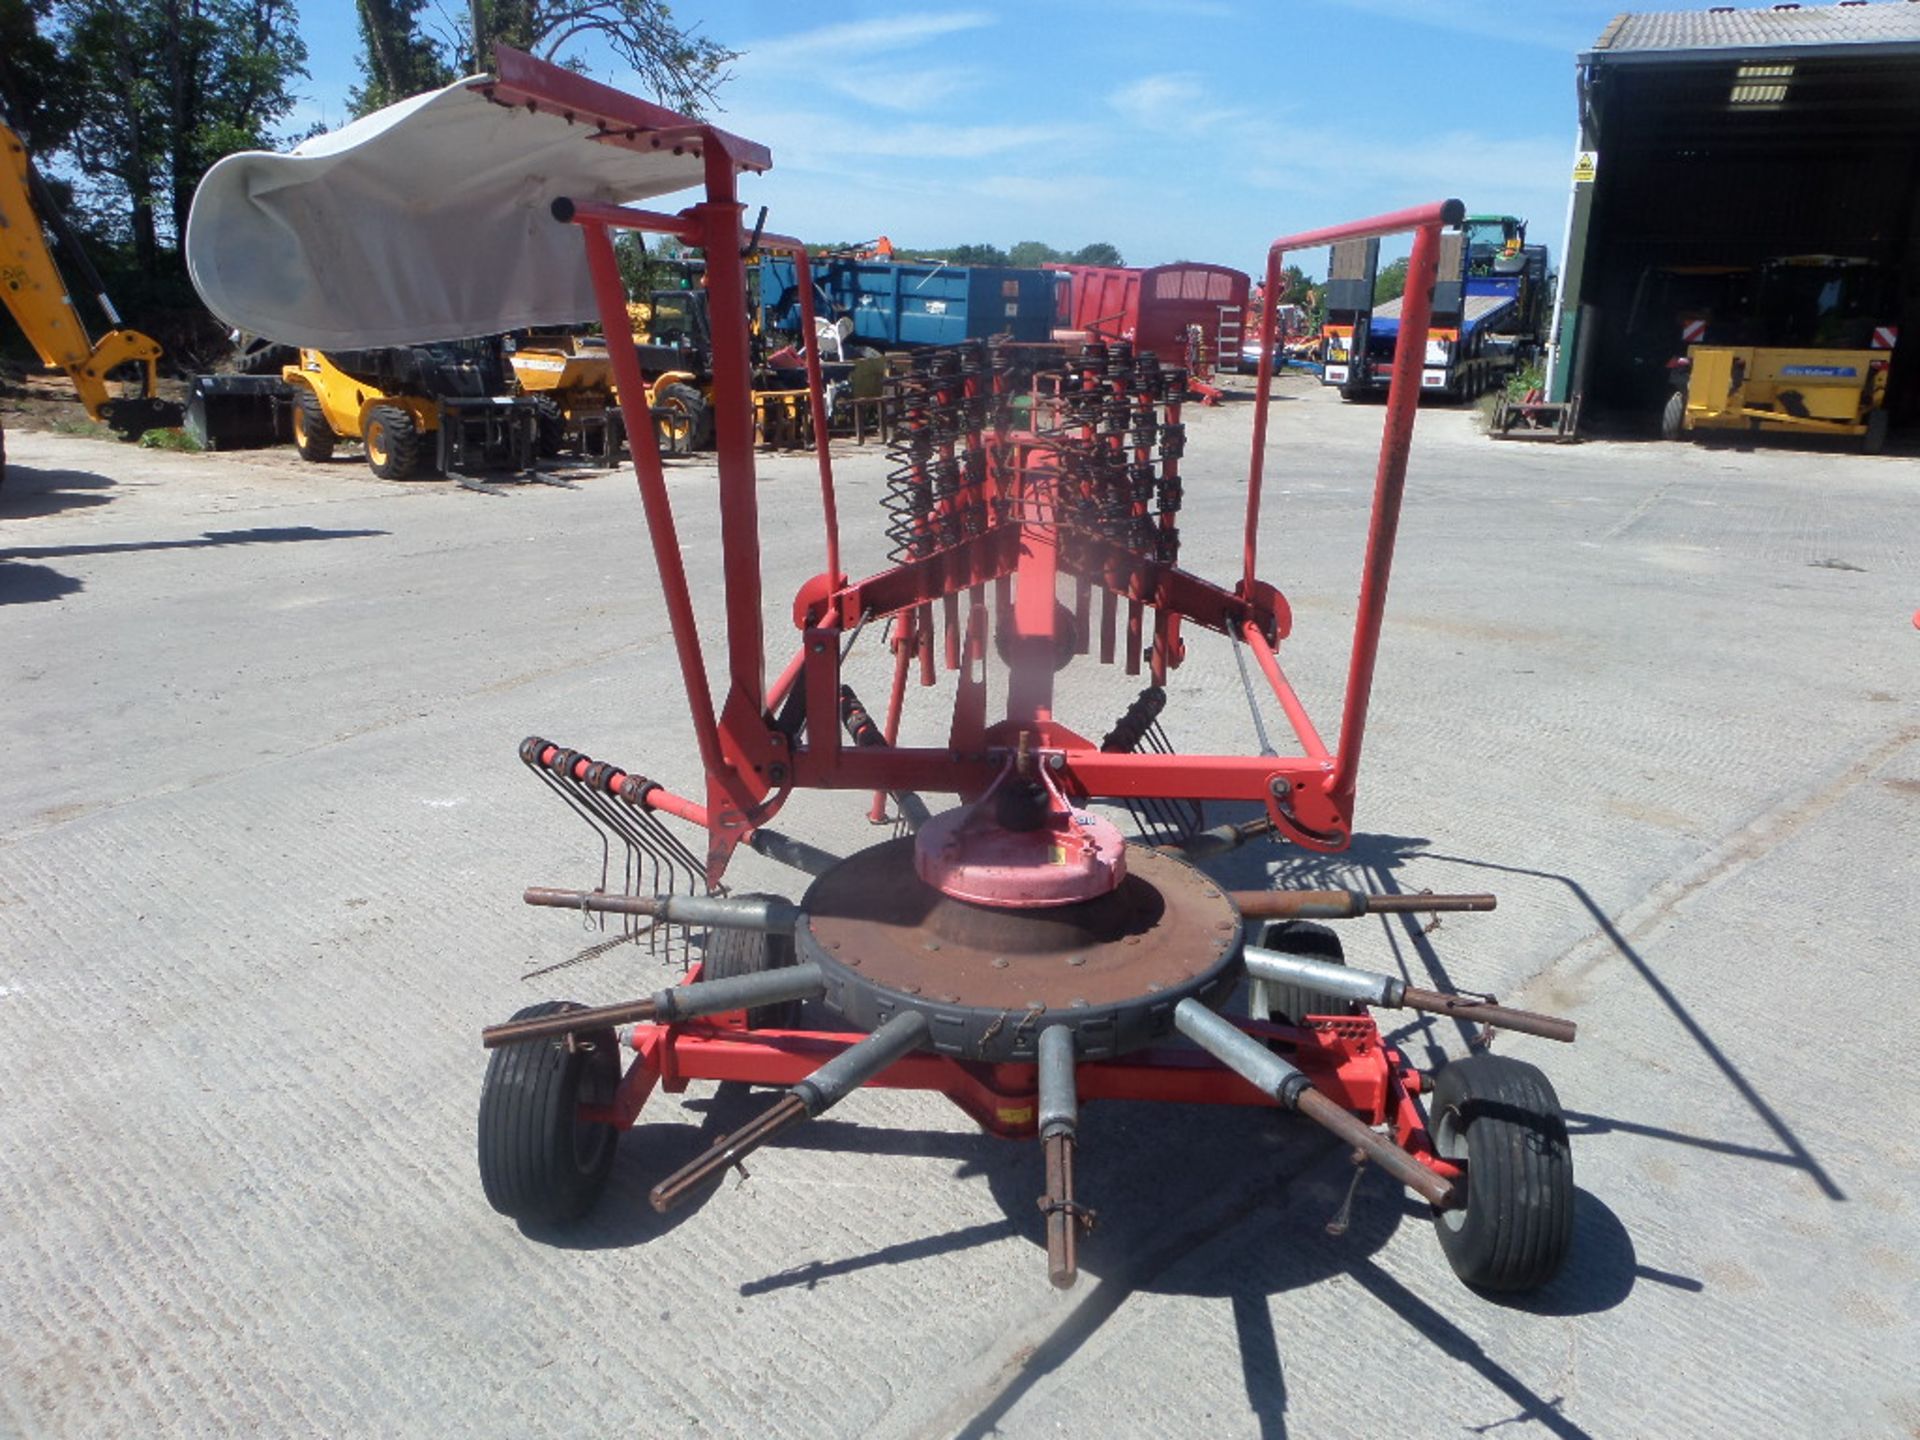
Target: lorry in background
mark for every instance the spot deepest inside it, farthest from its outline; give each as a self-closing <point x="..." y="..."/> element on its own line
<point x="1490" y="308"/>
<point x="1810" y="354"/>
<point x="41" y="305"/>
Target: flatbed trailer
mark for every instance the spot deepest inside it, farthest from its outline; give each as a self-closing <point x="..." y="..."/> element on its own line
<point x="1486" y="316"/>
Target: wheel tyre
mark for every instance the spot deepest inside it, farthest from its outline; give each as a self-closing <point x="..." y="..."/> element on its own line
<point x="551" y="427"/>
<point x="267" y="360"/>
<point x="538" y="1162"/>
<point x="733" y="951"/>
<point x="1293" y="1003"/>
<point x="1673" y="419"/>
<point x="691" y="427"/>
<point x="313" y="438"/>
<point x="393" y="442"/>
<point x="1875" y="440"/>
<point x="1501" y="1116"/>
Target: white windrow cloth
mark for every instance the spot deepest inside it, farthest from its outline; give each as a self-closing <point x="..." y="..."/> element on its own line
<point x="427" y="220"/>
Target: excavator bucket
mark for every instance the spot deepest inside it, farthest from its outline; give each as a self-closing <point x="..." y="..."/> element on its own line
<point x="239" y="412"/>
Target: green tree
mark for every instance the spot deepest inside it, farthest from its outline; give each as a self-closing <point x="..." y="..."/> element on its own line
<point x="1033" y="252"/>
<point x="973" y="255"/>
<point x="395" y="58"/>
<point x="167" y="87"/>
<point x="400" y="57"/>
<point x="39" y="81"/>
<point x="1390" y="283"/>
<point x="1098" y="253"/>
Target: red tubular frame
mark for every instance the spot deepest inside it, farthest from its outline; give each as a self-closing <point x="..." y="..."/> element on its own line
<point x="1345" y="1060"/>
<point x="1390" y="476"/>
<point x="751" y="764"/>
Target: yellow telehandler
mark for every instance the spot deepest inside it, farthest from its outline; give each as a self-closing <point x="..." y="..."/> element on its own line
<point x="445" y="407"/>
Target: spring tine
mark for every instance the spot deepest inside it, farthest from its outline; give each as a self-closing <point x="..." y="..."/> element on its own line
<point x="1189" y="815"/>
<point x="565" y="793"/>
<point x="654" y="861"/>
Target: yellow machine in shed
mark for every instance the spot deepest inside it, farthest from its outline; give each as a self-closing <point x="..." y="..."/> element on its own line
<point x="1817" y="363"/>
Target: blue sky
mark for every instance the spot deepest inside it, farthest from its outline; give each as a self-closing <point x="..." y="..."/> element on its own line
<point x="1175" y="129"/>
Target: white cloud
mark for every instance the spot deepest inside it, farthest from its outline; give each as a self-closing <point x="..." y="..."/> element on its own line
<point x="806" y="139"/>
<point x="1329" y="177"/>
<point x="889" y="87"/>
<point x="1174" y="99"/>
<point x="1519" y="25"/>
<point x="834" y="44"/>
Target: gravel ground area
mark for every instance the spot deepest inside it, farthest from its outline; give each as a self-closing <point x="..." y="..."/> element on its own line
<point x="264" y="834"/>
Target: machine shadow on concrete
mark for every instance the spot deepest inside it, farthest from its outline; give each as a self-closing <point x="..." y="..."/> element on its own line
<point x="30" y="491"/>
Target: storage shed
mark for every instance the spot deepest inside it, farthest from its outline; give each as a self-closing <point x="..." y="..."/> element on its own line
<point x="1712" y="141"/>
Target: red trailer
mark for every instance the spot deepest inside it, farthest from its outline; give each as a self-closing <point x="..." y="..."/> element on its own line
<point x="1156" y="309"/>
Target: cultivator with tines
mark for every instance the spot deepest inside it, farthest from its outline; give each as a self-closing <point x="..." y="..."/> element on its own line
<point x="1013" y="949"/>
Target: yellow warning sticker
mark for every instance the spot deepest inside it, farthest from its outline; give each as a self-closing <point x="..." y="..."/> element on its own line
<point x="1585" y="164"/>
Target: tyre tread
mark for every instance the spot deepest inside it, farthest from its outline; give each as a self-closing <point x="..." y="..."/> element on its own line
<point x="1519" y="1219"/>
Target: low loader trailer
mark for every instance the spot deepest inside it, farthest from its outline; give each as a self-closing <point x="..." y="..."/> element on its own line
<point x="1488" y="311"/>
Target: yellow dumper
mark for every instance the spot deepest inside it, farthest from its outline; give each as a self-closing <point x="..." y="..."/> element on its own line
<point x="570" y="378"/>
<point x="1818" y="364"/>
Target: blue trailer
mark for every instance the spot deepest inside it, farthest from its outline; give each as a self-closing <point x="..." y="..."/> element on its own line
<point x="1489" y="309"/>
<point x="912" y="302"/>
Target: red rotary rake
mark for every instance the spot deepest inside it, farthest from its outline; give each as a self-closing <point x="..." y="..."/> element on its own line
<point x="1015" y="952"/>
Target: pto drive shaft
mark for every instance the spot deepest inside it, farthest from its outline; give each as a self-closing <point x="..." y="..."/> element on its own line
<point x="1059" y="1119"/>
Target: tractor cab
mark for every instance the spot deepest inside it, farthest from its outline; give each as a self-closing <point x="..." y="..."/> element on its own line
<point x="1822" y="302"/>
<point x="678" y="333"/>
<point x="1496" y="244"/>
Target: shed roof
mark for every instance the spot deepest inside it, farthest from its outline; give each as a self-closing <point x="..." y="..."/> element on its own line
<point x="1780" y="30"/>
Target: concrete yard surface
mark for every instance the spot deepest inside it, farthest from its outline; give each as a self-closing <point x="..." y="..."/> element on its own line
<point x="264" y="831"/>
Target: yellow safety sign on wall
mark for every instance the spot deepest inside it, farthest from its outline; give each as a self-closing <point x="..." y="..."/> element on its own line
<point x="1584" y="164"/>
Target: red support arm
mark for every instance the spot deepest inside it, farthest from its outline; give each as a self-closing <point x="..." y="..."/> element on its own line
<point x="816" y="392"/>
<point x="1390" y="483"/>
<point x="1403" y="395"/>
<point x="643" y="441"/>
